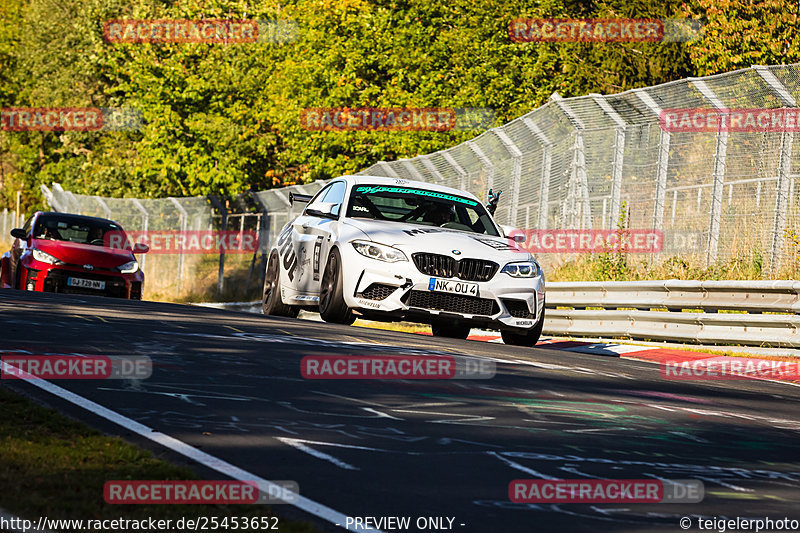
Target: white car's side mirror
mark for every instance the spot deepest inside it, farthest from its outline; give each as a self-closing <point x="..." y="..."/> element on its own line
<point x="513" y="233"/>
<point x="324" y="209"/>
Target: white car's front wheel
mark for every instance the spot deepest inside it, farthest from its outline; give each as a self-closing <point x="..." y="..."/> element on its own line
<point x="529" y="338"/>
<point x="332" y="307"/>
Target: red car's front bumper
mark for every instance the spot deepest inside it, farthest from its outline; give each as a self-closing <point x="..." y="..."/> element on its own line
<point x="44" y="277"/>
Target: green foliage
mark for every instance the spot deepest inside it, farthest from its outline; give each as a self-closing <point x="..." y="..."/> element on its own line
<point x="612" y="264"/>
<point x="741" y="33"/>
<point x="226" y="118"/>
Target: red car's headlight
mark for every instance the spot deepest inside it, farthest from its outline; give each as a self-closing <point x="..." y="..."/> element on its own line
<point x="44" y="257"/>
<point x="129" y="268"/>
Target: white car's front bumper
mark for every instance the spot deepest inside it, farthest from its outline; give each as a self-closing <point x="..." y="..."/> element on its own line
<point x="400" y="290"/>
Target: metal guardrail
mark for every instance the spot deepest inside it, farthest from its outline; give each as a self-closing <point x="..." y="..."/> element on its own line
<point x="686" y="311"/>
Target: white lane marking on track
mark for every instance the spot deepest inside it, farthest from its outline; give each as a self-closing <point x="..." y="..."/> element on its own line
<point x="298" y="443"/>
<point x="239" y="474"/>
<point x="381" y="415"/>
<point x="301" y="444"/>
<point x="518" y="466"/>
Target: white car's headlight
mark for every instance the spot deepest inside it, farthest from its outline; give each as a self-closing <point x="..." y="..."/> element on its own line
<point x="381" y="252"/>
<point x="129" y="268"/>
<point x="44" y="257"/>
<point x="525" y="269"/>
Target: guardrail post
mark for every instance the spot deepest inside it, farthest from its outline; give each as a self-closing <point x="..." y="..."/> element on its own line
<point x="578" y="192"/>
<point x="720" y="159"/>
<point x="547" y="160"/>
<point x="184" y="216"/>
<point x="458" y="168"/>
<point x="516" y="173"/>
<point x="782" y="190"/>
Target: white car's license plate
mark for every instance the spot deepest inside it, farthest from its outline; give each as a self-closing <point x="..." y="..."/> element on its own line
<point x="455" y="287"/>
<point x="86" y="283"/>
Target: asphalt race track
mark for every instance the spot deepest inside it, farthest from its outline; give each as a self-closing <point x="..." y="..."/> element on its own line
<point x="229" y="384"/>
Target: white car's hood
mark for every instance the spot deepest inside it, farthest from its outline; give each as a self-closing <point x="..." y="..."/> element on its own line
<point x="412" y="238"/>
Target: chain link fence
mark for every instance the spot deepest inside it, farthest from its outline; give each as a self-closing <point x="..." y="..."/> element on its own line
<point x="192" y="275"/>
<point x="573" y="163"/>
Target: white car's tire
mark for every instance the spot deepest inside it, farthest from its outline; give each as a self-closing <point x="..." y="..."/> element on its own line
<point x="271" y="303"/>
<point x="530" y="338"/>
<point x="332" y="307"/>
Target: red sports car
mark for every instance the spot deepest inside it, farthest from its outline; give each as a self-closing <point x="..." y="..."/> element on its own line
<point x="59" y="252"/>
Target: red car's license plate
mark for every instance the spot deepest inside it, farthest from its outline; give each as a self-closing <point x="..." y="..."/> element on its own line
<point x="86" y="283"/>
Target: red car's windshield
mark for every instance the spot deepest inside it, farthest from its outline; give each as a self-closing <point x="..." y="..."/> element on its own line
<point x="73" y="229"/>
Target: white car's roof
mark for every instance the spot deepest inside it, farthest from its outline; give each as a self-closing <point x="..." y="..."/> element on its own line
<point x="382" y="180"/>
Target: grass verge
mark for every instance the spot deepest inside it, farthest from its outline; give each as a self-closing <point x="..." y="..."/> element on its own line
<point x="53" y="466"/>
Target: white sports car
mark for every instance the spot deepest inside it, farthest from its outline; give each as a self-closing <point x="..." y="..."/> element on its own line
<point x="390" y="249"/>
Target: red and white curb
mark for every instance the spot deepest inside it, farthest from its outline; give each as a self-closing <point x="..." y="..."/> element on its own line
<point x="648" y="354"/>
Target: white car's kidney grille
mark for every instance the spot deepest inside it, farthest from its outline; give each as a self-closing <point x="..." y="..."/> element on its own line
<point x="455" y="303"/>
<point x="443" y="266"/>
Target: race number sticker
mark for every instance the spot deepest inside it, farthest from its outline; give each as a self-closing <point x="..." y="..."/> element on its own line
<point x="316" y="259"/>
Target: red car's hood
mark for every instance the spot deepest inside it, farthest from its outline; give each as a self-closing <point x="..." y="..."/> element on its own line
<point x="82" y="254"/>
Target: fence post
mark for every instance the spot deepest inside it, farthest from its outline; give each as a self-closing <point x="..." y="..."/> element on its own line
<point x="578" y="192"/>
<point x="223" y="211"/>
<point x="412" y="170"/>
<point x="487" y="163"/>
<point x="662" y="163"/>
<point x="783" y="189"/>
<point x="720" y="160"/>
<point x="388" y="169"/>
<point x="458" y="168"/>
<point x="145" y="223"/>
<point x="619" y="157"/>
<point x="431" y="168"/>
<point x="103" y="205"/>
<point x="516" y="173"/>
<point x="184" y="216"/>
<point x="547" y="161"/>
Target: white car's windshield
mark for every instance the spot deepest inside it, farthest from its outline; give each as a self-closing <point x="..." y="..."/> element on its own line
<point x="412" y="205"/>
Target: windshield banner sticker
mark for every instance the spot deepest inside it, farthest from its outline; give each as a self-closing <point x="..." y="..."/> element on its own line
<point x="419" y="192"/>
